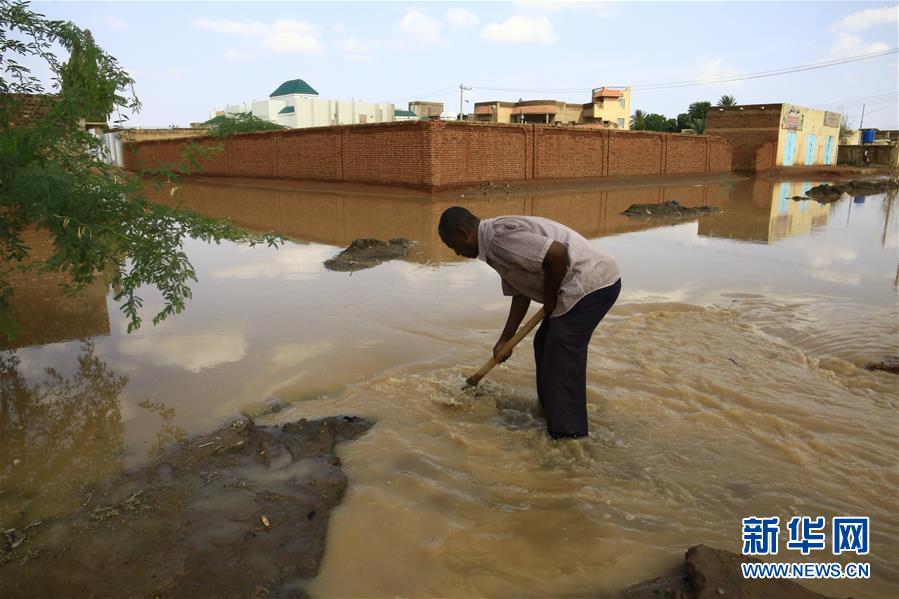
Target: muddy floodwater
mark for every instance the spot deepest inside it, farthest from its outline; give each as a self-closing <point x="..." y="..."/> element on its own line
<point x="728" y="381"/>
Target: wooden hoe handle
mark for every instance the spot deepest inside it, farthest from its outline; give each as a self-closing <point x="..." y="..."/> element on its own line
<point x="526" y="328"/>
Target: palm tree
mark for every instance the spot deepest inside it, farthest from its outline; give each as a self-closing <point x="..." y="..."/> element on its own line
<point x="727" y="101"/>
<point x="638" y="120"/>
<point x="697" y="125"/>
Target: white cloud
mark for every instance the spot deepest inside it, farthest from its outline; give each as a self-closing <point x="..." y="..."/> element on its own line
<point x="520" y="30"/>
<point x="715" y="69"/>
<point x="852" y="45"/>
<point x="420" y="26"/>
<point x="459" y="17"/>
<point x="869" y="17"/>
<point x="114" y="23"/>
<point x="191" y="352"/>
<point x="283" y="36"/>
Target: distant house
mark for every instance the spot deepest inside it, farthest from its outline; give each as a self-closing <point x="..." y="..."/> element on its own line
<point x="764" y="136"/>
<point x="404" y="115"/>
<point x="609" y="107"/>
<point x="426" y="109"/>
<point x="296" y="104"/>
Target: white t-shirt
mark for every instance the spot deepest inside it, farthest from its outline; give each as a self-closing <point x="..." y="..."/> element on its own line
<point x="515" y="246"/>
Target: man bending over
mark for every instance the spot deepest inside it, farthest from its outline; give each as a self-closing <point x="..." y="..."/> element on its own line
<point x="544" y="261"/>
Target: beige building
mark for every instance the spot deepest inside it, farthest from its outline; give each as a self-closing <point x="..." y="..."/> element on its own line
<point x="767" y="135"/>
<point x="608" y="108"/>
<point x="426" y="109"/>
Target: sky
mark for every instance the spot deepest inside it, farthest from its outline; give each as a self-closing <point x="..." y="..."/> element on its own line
<point x="191" y="57"/>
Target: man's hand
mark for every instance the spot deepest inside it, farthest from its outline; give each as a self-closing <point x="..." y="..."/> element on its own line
<point x="496" y="350"/>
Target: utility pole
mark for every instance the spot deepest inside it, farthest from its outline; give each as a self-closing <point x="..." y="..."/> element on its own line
<point x="862" y="122"/>
<point x="462" y="88"/>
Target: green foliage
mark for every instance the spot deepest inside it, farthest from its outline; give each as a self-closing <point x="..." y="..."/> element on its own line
<point x="652" y="122"/>
<point x="96" y="215"/>
<point x="699" y="110"/>
<point x="726" y="100"/>
<point x="693" y="119"/>
<point x="228" y="124"/>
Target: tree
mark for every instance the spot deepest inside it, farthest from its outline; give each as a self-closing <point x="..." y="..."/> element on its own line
<point x="224" y="125"/>
<point x="652" y="122"/>
<point x="638" y="120"/>
<point x="699" y="110"/>
<point x="726" y="100"/>
<point x="96" y="214"/>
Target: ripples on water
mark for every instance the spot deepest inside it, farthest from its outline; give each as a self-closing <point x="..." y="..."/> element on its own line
<point x="728" y="382"/>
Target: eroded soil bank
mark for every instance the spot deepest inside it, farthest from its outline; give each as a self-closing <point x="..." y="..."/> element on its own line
<point x="242" y="511"/>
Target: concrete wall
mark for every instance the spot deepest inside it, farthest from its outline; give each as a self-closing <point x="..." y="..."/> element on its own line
<point x="881" y="155"/>
<point x="437" y="154"/>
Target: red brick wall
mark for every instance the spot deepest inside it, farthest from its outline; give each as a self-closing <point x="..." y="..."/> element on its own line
<point x="765" y="156"/>
<point x="252" y="155"/>
<point x="635" y="153"/>
<point x="562" y="153"/>
<point x="473" y="153"/>
<point x="310" y="155"/>
<point x="433" y="154"/>
<point x="747" y="128"/>
<point x="686" y="154"/>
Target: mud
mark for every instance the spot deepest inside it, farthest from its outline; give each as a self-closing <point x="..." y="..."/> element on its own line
<point x="891" y="365"/>
<point x="367" y="253"/>
<point x="242" y="511"/>
<point x="672" y="209"/>
<point x="831" y="193"/>
<point x="709" y="572"/>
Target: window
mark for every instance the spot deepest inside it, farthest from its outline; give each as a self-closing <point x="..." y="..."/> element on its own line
<point x="621" y="123"/>
<point x="621" y="101"/>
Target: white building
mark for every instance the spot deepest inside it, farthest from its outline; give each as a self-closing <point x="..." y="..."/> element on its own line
<point x="295" y="104"/>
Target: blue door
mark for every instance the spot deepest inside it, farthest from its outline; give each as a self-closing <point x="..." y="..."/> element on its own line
<point x="811" y="145"/>
<point x="790" y="149"/>
<point x="828" y="150"/>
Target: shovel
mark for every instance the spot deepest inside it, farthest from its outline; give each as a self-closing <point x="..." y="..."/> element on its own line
<point x="526" y="328"/>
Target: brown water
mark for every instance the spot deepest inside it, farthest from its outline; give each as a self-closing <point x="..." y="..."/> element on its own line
<point x="727" y="382"/>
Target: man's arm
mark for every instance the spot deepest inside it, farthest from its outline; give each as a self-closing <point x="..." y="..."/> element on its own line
<point x="517" y="311"/>
<point x="555" y="265"/>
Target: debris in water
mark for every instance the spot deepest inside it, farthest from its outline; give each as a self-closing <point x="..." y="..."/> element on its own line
<point x="672" y="209"/>
<point x="366" y="253"/>
<point x="831" y="193"/>
<point x="891" y="365"/>
<point x="265" y="521"/>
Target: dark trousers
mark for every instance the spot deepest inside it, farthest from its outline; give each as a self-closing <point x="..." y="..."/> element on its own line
<point x="560" y="351"/>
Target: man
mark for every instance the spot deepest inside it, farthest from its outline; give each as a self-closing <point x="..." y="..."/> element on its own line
<point x="544" y="261"/>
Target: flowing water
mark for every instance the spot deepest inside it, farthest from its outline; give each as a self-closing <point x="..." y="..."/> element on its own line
<point x="728" y="381"/>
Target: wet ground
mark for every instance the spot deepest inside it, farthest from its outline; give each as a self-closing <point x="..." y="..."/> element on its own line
<point x="729" y="381"/>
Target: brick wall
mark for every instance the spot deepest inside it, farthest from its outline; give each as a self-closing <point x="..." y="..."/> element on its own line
<point x="27" y="108"/>
<point x="748" y="129"/>
<point x="434" y="154"/>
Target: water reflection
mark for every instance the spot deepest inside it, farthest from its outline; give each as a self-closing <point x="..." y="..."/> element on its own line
<point x="759" y="211"/>
<point x="43" y="310"/>
<point x="57" y="435"/>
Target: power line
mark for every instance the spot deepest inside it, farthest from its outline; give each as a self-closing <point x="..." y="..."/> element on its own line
<point x="712" y="81"/>
<point x="862" y="99"/>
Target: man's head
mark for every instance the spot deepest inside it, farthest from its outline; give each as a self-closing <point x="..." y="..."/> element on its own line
<point x="458" y="229"/>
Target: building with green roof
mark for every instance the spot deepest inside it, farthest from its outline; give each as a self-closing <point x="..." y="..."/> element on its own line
<point x="297" y="104"/>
